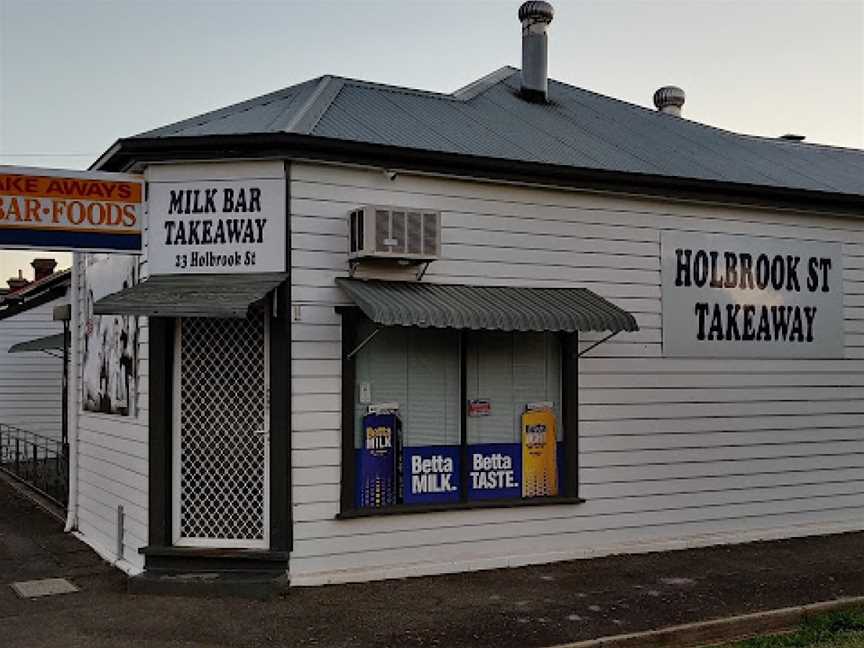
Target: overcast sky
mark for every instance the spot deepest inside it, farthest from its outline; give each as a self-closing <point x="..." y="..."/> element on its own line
<point x="75" y="76"/>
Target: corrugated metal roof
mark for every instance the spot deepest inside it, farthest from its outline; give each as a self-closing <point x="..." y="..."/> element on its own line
<point x="268" y="113"/>
<point x="497" y="308"/>
<point x="47" y="343"/>
<point x="577" y="128"/>
<point x="217" y="295"/>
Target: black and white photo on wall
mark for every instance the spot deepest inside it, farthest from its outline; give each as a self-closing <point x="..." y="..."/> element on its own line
<point x="109" y="342"/>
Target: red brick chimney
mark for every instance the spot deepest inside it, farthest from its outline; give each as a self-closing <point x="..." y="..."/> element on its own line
<point x="43" y="267"/>
<point x="17" y="283"/>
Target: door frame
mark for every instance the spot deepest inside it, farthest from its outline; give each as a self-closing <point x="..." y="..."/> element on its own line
<point x="176" y="429"/>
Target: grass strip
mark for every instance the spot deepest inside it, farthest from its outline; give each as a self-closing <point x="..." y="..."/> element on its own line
<point x="835" y="630"/>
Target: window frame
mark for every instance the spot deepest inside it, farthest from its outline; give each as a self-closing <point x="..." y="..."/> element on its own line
<point x="352" y="317"/>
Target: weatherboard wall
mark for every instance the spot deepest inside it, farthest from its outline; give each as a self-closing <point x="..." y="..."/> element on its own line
<point x="32" y="382"/>
<point x="673" y="452"/>
<point x="112" y="460"/>
<point x="113" y="450"/>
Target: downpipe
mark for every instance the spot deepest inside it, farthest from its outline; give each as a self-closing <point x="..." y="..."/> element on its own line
<point x="73" y="394"/>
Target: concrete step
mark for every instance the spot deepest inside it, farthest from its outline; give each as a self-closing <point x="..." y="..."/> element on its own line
<point x="257" y="585"/>
<point x="188" y="560"/>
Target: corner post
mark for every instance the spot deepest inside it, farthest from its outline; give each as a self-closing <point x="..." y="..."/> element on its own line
<point x="350" y="318"/>
<point x="160" y="430"/>
<point x="280" y="420"/>
<point x="570" y="411"/>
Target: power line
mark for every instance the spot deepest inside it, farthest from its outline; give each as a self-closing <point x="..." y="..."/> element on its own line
<point x="4" y="154"/>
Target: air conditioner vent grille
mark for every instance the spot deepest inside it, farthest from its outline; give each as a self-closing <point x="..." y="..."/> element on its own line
<point x="397" y="233"/>
<point x="415" y="234"/>
<point x="382" y="230"/>
<point x="431" y="233"/>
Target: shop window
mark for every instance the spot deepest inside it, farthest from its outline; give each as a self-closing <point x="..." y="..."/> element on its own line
<point x="441" y="418"/>
<point x="419" y="370"/>
<point x="406" y="410"/>
<point x="513" y="390"/>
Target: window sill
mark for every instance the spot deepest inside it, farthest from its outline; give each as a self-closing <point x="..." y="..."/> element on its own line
<point x="401" y="509"/>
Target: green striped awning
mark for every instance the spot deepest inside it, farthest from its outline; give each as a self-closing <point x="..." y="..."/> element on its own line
<point x="496" y="308"/>
<point x="196" y="295"/>
<point x="47" y="343"/>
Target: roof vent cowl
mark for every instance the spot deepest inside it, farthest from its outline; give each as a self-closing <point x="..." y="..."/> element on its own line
<point x="670" y="100"/>
<point x="535" y="17"/>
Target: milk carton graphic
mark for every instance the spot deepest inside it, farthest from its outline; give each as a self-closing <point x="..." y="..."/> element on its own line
<point x="377" y="474"/>
<point x="539" y="462"/>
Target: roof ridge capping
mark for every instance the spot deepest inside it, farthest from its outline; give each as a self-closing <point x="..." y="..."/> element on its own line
<point x="481" y="85"/>
<point x="303" y="121"/>
<point x="231" y="109"/>
<point x="389" y="87"/>
<point x="784" y="142"/>
<point x="329" y="87"/>
<point x="695" y="122"/>
<point x="314" y="107"/>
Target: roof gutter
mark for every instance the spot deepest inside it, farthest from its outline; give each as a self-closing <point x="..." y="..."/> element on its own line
<point x="126" y="153"/>
<point x="106" y="157"/>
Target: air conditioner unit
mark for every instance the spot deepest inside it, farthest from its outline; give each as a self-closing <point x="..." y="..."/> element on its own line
<point x="394" y="233"/>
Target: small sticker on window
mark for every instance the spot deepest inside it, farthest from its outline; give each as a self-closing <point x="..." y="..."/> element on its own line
<point x="365" y="393"/>
<point x="479" y="407"/>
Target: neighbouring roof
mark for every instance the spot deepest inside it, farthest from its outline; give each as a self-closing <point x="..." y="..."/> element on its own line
<point x="35" y="293"/>
<point x="495" y="308"/>
<point x="215" y="295"/>
<point x="488" y="119"/>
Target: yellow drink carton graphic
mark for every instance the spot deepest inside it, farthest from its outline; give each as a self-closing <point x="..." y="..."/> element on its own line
<point x="539" y="457"/>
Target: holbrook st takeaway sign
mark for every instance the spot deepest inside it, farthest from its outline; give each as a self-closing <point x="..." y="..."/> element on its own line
<point x="757" y="297"/>
<point x="217" y="218"/>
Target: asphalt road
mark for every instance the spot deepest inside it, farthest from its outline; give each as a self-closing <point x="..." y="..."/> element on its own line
<point x="525" y="607"/>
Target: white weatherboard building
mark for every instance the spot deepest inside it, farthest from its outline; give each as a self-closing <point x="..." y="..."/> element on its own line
<point x="380" y="332"/>
<point x="31" y="357"/>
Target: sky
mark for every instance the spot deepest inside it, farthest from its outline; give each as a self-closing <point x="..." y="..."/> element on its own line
<point x="77" y="75"/>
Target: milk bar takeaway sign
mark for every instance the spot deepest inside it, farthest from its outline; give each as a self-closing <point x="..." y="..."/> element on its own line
<point x="751" y="297"/>
<point x="217" y="219"/>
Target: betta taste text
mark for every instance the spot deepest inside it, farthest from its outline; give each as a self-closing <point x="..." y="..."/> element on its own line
<point x="757" y="283"/>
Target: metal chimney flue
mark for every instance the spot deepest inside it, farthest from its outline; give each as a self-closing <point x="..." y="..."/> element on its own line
<point x="670" y="100"/>
<point x="535" y="18"/>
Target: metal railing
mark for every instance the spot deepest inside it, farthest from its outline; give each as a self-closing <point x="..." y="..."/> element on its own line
<point x="39" y="461"/>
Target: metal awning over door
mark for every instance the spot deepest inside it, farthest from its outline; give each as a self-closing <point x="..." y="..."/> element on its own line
<point x="54" y="342"/>
<point x="210" y="295"/>
<point x="495" y="308"/>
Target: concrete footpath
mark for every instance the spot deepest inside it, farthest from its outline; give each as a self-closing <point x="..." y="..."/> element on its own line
<point x="527" y="607"/>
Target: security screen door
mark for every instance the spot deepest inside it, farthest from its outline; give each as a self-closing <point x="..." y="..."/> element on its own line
<point x="221" y="433"/>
